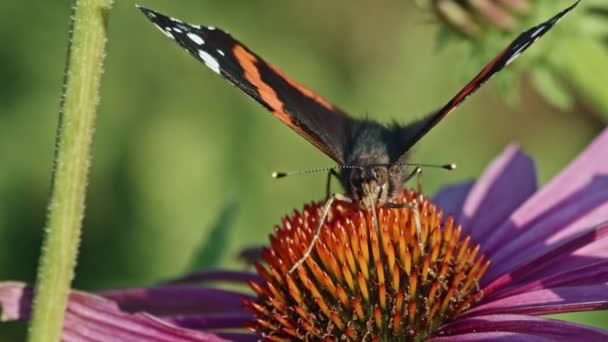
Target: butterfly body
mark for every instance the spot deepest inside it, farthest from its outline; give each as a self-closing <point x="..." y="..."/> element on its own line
<point x="374" y="148"/>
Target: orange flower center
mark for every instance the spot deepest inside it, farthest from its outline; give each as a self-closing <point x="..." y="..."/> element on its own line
<point x="364" y="284"/>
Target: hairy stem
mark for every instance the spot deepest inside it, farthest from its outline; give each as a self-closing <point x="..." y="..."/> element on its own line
<point x="70" y="170"/>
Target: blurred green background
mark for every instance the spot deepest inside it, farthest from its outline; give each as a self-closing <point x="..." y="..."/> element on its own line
<point x="175" y="145"/>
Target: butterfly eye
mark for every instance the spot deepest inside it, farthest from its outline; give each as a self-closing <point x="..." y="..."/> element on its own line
<point x="355" y="177"/>
<point x="380" y="175"/>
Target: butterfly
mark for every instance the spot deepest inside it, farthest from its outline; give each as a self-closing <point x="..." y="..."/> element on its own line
<point x="372" y="157"/>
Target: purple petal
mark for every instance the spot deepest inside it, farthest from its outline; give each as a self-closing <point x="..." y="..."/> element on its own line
<point x="585" y="274"/>
<point x="217" y="275"/>
<point x="92" y="318"/>
<point x="451" y="198"/>
<point x="491" y="337"/>
<point x="547" y="301"/>
<point x="584" y="177"/>
<point x="588" y="247"/>
<point x="505" y="184"/>
<point x="596" y="250"/>
<point x="15" y="299"/>
<point x="177" y="300"/>
<point x="240" y="337"/>
<point x="104" y="321"/>
<point x="211" y="321"/>
<point x="584" y="210"/>
<point x="540" y="327"/>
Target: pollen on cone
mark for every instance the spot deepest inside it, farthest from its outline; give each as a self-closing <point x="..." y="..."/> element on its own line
<point x="360" y="281"/>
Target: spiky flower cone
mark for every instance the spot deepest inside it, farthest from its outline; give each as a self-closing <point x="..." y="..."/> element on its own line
<point x="363" y="284"/>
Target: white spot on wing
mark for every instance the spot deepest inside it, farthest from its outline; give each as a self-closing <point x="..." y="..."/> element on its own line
<point x="517" y="53"/>
<point x="535" y="33"/>
<point x="555" y="21"/>
<point x="209" y="61"/>
<point x="196" y="38"/>
<point x="210" y="28"/>
<point x="165" y="31"/>
<point x="512" y="58"/>
<point x="220" y="52"/>
<point x="177" y="30"/>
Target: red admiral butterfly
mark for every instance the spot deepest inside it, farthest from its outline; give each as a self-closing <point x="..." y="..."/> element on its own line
<point x="372" y="156"/>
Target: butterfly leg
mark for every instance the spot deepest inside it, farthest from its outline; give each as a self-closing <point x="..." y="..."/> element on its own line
<point x="413" y="206"/>
<point x="324" y="213"/>
<point x="417" y="171"/>
<point x="331" y="173"/>
<point x="419" y="180"/>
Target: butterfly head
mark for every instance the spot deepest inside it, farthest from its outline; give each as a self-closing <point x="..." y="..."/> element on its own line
<point x="368" y="185"/>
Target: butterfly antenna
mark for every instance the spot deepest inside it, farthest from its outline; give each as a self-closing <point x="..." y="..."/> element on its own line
<point x="283" y="174"/>
<point x="448" y="167"/>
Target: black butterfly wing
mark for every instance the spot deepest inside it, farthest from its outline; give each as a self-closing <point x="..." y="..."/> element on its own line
<point x="418" y="129"/>
<point x="310" y="115"/>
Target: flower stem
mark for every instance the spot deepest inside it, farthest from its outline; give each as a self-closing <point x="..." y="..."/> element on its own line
<point x="583" y="64"/>
<point x="72" y="158"/>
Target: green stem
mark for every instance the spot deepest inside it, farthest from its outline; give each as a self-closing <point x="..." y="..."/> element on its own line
<point x="583" y="63"/>
<point x="71" y="165"/>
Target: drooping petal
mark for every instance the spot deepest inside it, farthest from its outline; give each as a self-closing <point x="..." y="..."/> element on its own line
<point x="595" y="250"/>
<point x="211" y="321"/>
<point x="451" y="198"/>
<point x="582" y="179"/>
<point x="101" y="320"/>
<point x="239" y="337"/>
<point x="505" y="184"/>
<point x="521" y="324"/>
<point x="587" y="274"/>
<point x="177" y="299"/>
<point x="93" y="318"/>
<point x="562" y="224"/>
<point x="588" y="247"/>
<point x="491" y="337"/>
<point x="15" y="299"/>
<point x="547" y="301"/>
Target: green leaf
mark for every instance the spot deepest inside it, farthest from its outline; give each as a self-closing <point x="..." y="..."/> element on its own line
<point x="595" y="25"/>
<point x="443" y="38"/>
<point x="506" y="85"/>
<point x="583" y="65"/>
<point x="212" y="249"/>
<point x="551" y="87"/>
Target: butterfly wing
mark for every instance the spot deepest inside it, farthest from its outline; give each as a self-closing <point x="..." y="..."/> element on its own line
<point x="418" y="129"/>
<point x="307" y="113"/>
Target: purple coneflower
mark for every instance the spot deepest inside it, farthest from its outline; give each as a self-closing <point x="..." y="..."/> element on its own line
<point x="497" y="253"/>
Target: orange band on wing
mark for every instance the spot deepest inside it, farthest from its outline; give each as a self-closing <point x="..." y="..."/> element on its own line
<point x="252" y="74"/>
<point x="307" y="92"/>
<point x="474" y="84"/>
